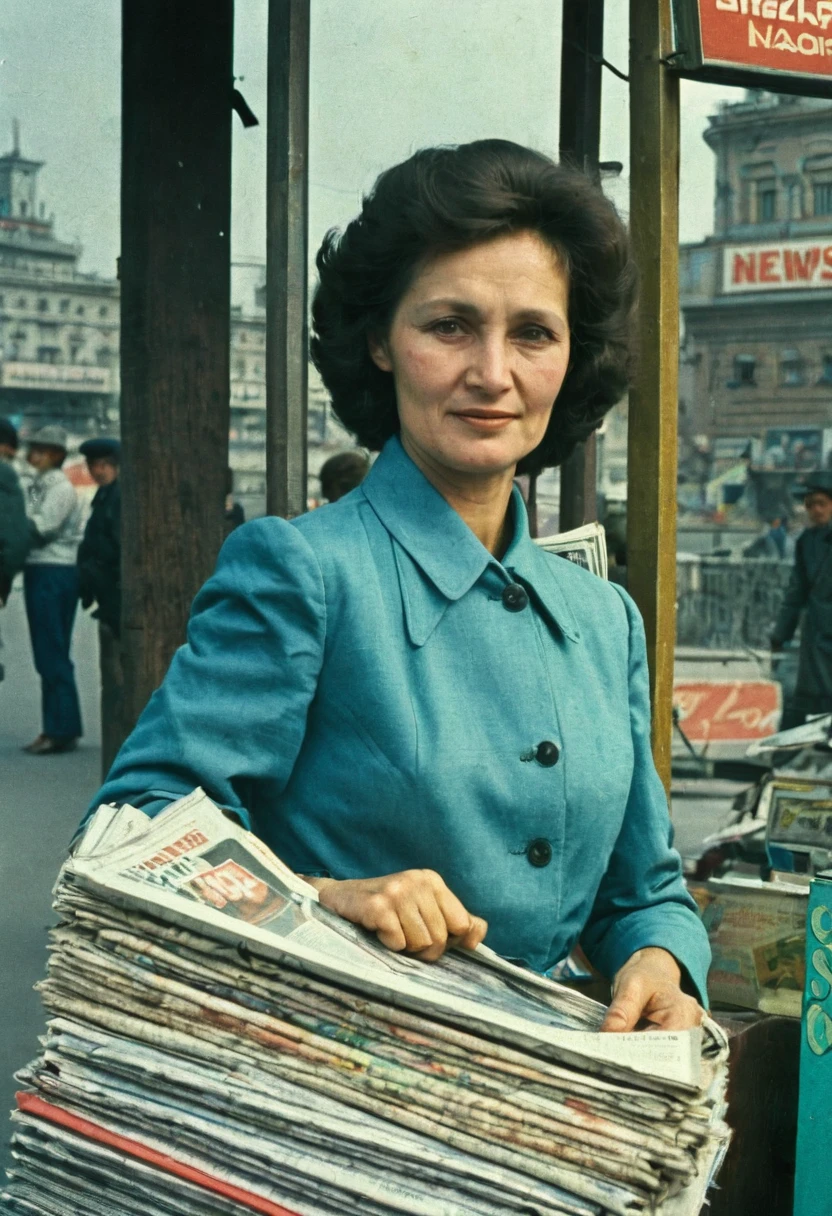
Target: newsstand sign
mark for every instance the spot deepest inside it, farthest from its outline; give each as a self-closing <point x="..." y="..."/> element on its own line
<point x="784" y="45"/>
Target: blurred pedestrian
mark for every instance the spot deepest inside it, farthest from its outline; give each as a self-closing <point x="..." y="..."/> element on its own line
<point x="234" y="511"/>
<point x="14" y="526"/>
<point x="50" y="585"/>
<point x="809" y="596"/>
<point x="342" y="473"/>
<point x="99" y="583"/>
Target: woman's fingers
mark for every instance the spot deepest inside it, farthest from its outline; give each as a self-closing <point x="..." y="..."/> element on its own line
<point x="663" y="1006"/>
<point x="413" y="911"/>
<point x="627" y="1004"/>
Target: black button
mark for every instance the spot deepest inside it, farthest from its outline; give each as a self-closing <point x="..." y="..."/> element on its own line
<point x="539" y="852"/>
<point x="547" y="753"/>
<point x="514" y="597"/>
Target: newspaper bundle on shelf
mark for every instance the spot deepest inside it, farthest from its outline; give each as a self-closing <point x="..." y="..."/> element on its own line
<point x="221" y="1043"/>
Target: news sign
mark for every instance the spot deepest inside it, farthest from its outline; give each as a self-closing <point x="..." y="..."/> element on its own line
<point x="778" y="266"/>
<point x="784" y="45"/>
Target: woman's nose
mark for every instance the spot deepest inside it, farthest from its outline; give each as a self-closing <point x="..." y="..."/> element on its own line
<point x="489" y="369"/>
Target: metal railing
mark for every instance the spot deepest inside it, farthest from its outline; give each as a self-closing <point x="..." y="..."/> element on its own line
<point x="726" y="604"/>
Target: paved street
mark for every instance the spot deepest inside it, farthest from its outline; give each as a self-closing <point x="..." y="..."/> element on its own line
<point x="41" y="800"/>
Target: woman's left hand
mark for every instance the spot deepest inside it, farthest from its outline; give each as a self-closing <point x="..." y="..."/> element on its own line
<point x="647" y="990"/>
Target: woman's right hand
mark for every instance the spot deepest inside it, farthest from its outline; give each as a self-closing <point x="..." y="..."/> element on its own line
<point x="412" y="910"/>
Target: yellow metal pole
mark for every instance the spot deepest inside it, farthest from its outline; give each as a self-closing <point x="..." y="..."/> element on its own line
<point x="654" y="219"/>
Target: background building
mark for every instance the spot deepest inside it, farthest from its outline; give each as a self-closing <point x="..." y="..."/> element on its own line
<point x="756" y="366"/>
<point x="58" y="327"/>
<point x="59" y="343"/>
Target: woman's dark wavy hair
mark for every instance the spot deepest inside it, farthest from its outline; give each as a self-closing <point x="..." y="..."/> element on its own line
<point x="450" y="198"/>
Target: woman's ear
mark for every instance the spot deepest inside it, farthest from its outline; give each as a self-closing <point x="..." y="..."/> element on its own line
<point x="379" y="352"/>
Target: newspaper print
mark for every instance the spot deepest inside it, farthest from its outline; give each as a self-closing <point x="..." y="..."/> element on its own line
<point x="162" y="874"/>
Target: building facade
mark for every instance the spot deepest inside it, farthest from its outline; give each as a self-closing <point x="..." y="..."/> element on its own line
<point x="58" y="327"/>
<point x="59" y="344"/>
<point x="756" y="297"/>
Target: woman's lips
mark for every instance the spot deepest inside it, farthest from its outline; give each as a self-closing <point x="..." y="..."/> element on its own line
<point x="483" y="421"/>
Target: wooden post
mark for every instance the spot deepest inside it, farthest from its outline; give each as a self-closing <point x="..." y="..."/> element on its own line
<point x="175" y="309"/>
<point x="286" y="256"/>
<point x="651" y="487"/>
<point x="580" y="141"/>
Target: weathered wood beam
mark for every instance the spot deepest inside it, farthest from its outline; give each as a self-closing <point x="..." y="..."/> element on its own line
<point x="287" y="171"/>
<point x="654" y="223"/>
<point x="175" y="308"/>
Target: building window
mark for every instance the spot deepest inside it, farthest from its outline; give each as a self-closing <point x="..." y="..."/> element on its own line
<point x="74" y="351"/>
<point x="43" y="304"/>
<point x="79" y="311"/>
<point x="745" y="367"/>
<point x="104" y="356"/>
<point x="22" y="302"/>
<point x="791" y="369"/>
<point x="49" y="354"/>
<point x="823" y="198"/>
<point x="766" y="201"/>
<point x="64" y="306"/>
<point x="102" y="312"/>
<point x="825" y="370"/>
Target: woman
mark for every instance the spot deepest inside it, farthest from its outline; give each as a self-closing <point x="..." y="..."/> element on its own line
<point x="413" y="704"/>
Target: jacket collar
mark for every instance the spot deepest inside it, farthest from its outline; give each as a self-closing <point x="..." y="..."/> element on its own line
<point x="446" y="551"/>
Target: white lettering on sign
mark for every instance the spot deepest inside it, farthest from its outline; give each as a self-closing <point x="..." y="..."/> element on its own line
<point x="801" y="12"/>
<point x="780" y="266"/>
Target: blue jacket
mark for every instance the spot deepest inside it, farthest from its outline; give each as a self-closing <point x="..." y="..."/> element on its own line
<point x="357" y="689"/>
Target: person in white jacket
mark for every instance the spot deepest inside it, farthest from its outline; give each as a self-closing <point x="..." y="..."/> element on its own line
<point x="50" y="585"/>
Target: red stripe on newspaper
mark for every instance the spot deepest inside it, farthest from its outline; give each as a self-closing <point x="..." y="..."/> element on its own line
<point x="31" y="1104"/>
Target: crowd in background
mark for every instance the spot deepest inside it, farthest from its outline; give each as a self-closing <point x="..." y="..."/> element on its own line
<point x="67" y="556"/>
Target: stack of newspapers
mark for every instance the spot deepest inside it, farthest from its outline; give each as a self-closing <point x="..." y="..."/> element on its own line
<point x="220" y="1043"/>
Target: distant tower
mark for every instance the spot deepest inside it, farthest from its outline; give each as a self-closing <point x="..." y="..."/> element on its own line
<point x="18" y="184"/>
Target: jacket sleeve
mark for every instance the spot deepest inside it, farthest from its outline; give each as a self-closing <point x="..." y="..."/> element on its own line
<point x="58" y="502"/>
<point x="232" y="709"/>
<point x="795" y="599"/>
<point x="642" y="900"/>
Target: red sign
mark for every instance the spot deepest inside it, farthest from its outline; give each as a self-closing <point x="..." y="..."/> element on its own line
<point x="727" y="710"/>
<point x="778" y="266"/>
<point x="786" y="37"/>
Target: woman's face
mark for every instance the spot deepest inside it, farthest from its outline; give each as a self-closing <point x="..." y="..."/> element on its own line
<point x="478" y="348"/>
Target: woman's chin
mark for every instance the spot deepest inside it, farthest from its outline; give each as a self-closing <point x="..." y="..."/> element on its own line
<point x="483" y="459"/>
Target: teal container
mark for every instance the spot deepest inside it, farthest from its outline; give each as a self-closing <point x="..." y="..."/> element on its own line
<point x="813" y="1182"/>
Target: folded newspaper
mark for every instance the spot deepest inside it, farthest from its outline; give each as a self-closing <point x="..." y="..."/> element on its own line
<point x="221" y="1043"/>
<point x="585" y="546"/>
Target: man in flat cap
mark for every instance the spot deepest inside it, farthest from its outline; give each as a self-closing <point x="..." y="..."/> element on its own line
<point x="99" y="583"/>
<point x="50" y="585"/>
<point x="809" y="594"/>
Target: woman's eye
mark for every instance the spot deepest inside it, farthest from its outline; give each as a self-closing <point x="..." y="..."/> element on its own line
<point x="536" y="333"/>
<point x="447" y="326"/>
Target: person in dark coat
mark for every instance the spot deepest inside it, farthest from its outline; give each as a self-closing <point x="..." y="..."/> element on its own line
<point x="99" y="579"/>
<point x="14" y="526"/>
<point x="99" y="554"/>
<point x="809" y="595"/>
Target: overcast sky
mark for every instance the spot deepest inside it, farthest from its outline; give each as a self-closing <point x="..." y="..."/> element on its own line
<point x="388" y="76"/>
